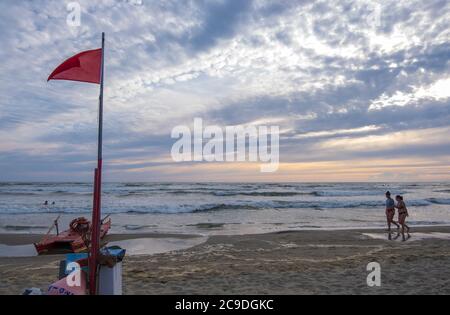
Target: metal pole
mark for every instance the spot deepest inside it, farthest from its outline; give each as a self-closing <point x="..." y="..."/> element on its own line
<point x="96" y="215"/>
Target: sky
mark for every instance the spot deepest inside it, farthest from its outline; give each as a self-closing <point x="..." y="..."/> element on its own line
<point x="360" y="89"/>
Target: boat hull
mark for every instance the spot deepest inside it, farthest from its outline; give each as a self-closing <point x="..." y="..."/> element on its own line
<point x="67" y="242"/>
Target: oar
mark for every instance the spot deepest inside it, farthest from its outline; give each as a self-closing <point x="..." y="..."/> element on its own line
<point x="51" y="228"/>
<point x="104" y="219"/>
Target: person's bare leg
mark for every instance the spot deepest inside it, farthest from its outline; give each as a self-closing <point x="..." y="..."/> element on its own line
<point x="389" y="229"/>
<point x="396" y="224"/>
<point x="398" y="235"/>
<point x="408" y="229"/>
<point x="398" y="228"/>
<point x="403" y="233"/>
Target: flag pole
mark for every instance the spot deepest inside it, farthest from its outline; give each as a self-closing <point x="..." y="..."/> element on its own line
<point x="96" y="213"/>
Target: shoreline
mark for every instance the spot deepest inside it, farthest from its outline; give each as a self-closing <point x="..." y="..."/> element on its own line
<point x="12" y="239"/>
<point x="17" y="239"/>
<point x="291" y="262"/>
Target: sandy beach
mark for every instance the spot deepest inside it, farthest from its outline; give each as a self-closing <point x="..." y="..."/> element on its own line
<point x="303" y="262"/>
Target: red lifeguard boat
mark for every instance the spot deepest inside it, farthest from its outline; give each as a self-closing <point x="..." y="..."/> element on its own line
<point x="74" y="240"/>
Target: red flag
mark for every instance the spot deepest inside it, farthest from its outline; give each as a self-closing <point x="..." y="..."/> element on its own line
<point x="84" y="67"/>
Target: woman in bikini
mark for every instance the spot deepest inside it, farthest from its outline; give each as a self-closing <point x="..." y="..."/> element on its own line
<point x="402" y="215"/>
<point x="390" y="214"/>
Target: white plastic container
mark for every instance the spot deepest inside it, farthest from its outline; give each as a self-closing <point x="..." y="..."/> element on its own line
<point x="110" y="280"/>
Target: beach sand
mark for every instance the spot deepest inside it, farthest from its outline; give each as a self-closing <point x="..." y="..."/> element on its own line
<point x="303" y="262"/>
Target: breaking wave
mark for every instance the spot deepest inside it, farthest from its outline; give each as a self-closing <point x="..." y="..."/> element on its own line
<point x="439" y="201"/>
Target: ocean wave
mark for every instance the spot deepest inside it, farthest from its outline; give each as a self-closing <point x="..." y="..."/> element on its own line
<point x="137" y="212"/>
<point x="259" y="194"/>
<point x="151" y="192"/>
<point x="192" y="209"/>
<point x="133" y="185"/>
<point x="268" y="205"/>
<point x="17" y="193"/>
<point x="221" y="207"/>
<point x="43" y="184"/>
<point x="337" y="193"/>
<point x="69" y="193"/>
<point x="187" y="192"/>
<point x="43" y="193"/>
<point x="41" y="211"/>
<point x="234" y="192"/>
<point x="132" y="227"/>
<point x="206" y="226"/>
<point x="281" y="204"/>
<point x="15" y="184"/>
<point x="242" y="205"/>
<point x="23" y="227"/>
<point x="439" y="201"/>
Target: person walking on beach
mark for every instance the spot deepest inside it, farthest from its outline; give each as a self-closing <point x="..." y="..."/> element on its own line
<point x="402" y="215"/>
<point x="390" y="213"/>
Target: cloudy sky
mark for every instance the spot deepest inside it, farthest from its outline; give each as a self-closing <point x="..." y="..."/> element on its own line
<point x="360" y="89"/>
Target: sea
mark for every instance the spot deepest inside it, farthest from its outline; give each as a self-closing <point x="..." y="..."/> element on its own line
<point x="219" y="208"/>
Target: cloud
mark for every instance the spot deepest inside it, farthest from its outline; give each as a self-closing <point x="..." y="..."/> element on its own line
<point x="221" y="20"/>
<point x="345" y="81"/>
<point x="438" y="90"/>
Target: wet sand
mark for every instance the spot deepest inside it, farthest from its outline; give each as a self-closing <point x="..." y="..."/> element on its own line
<point x="303" y="262"/>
